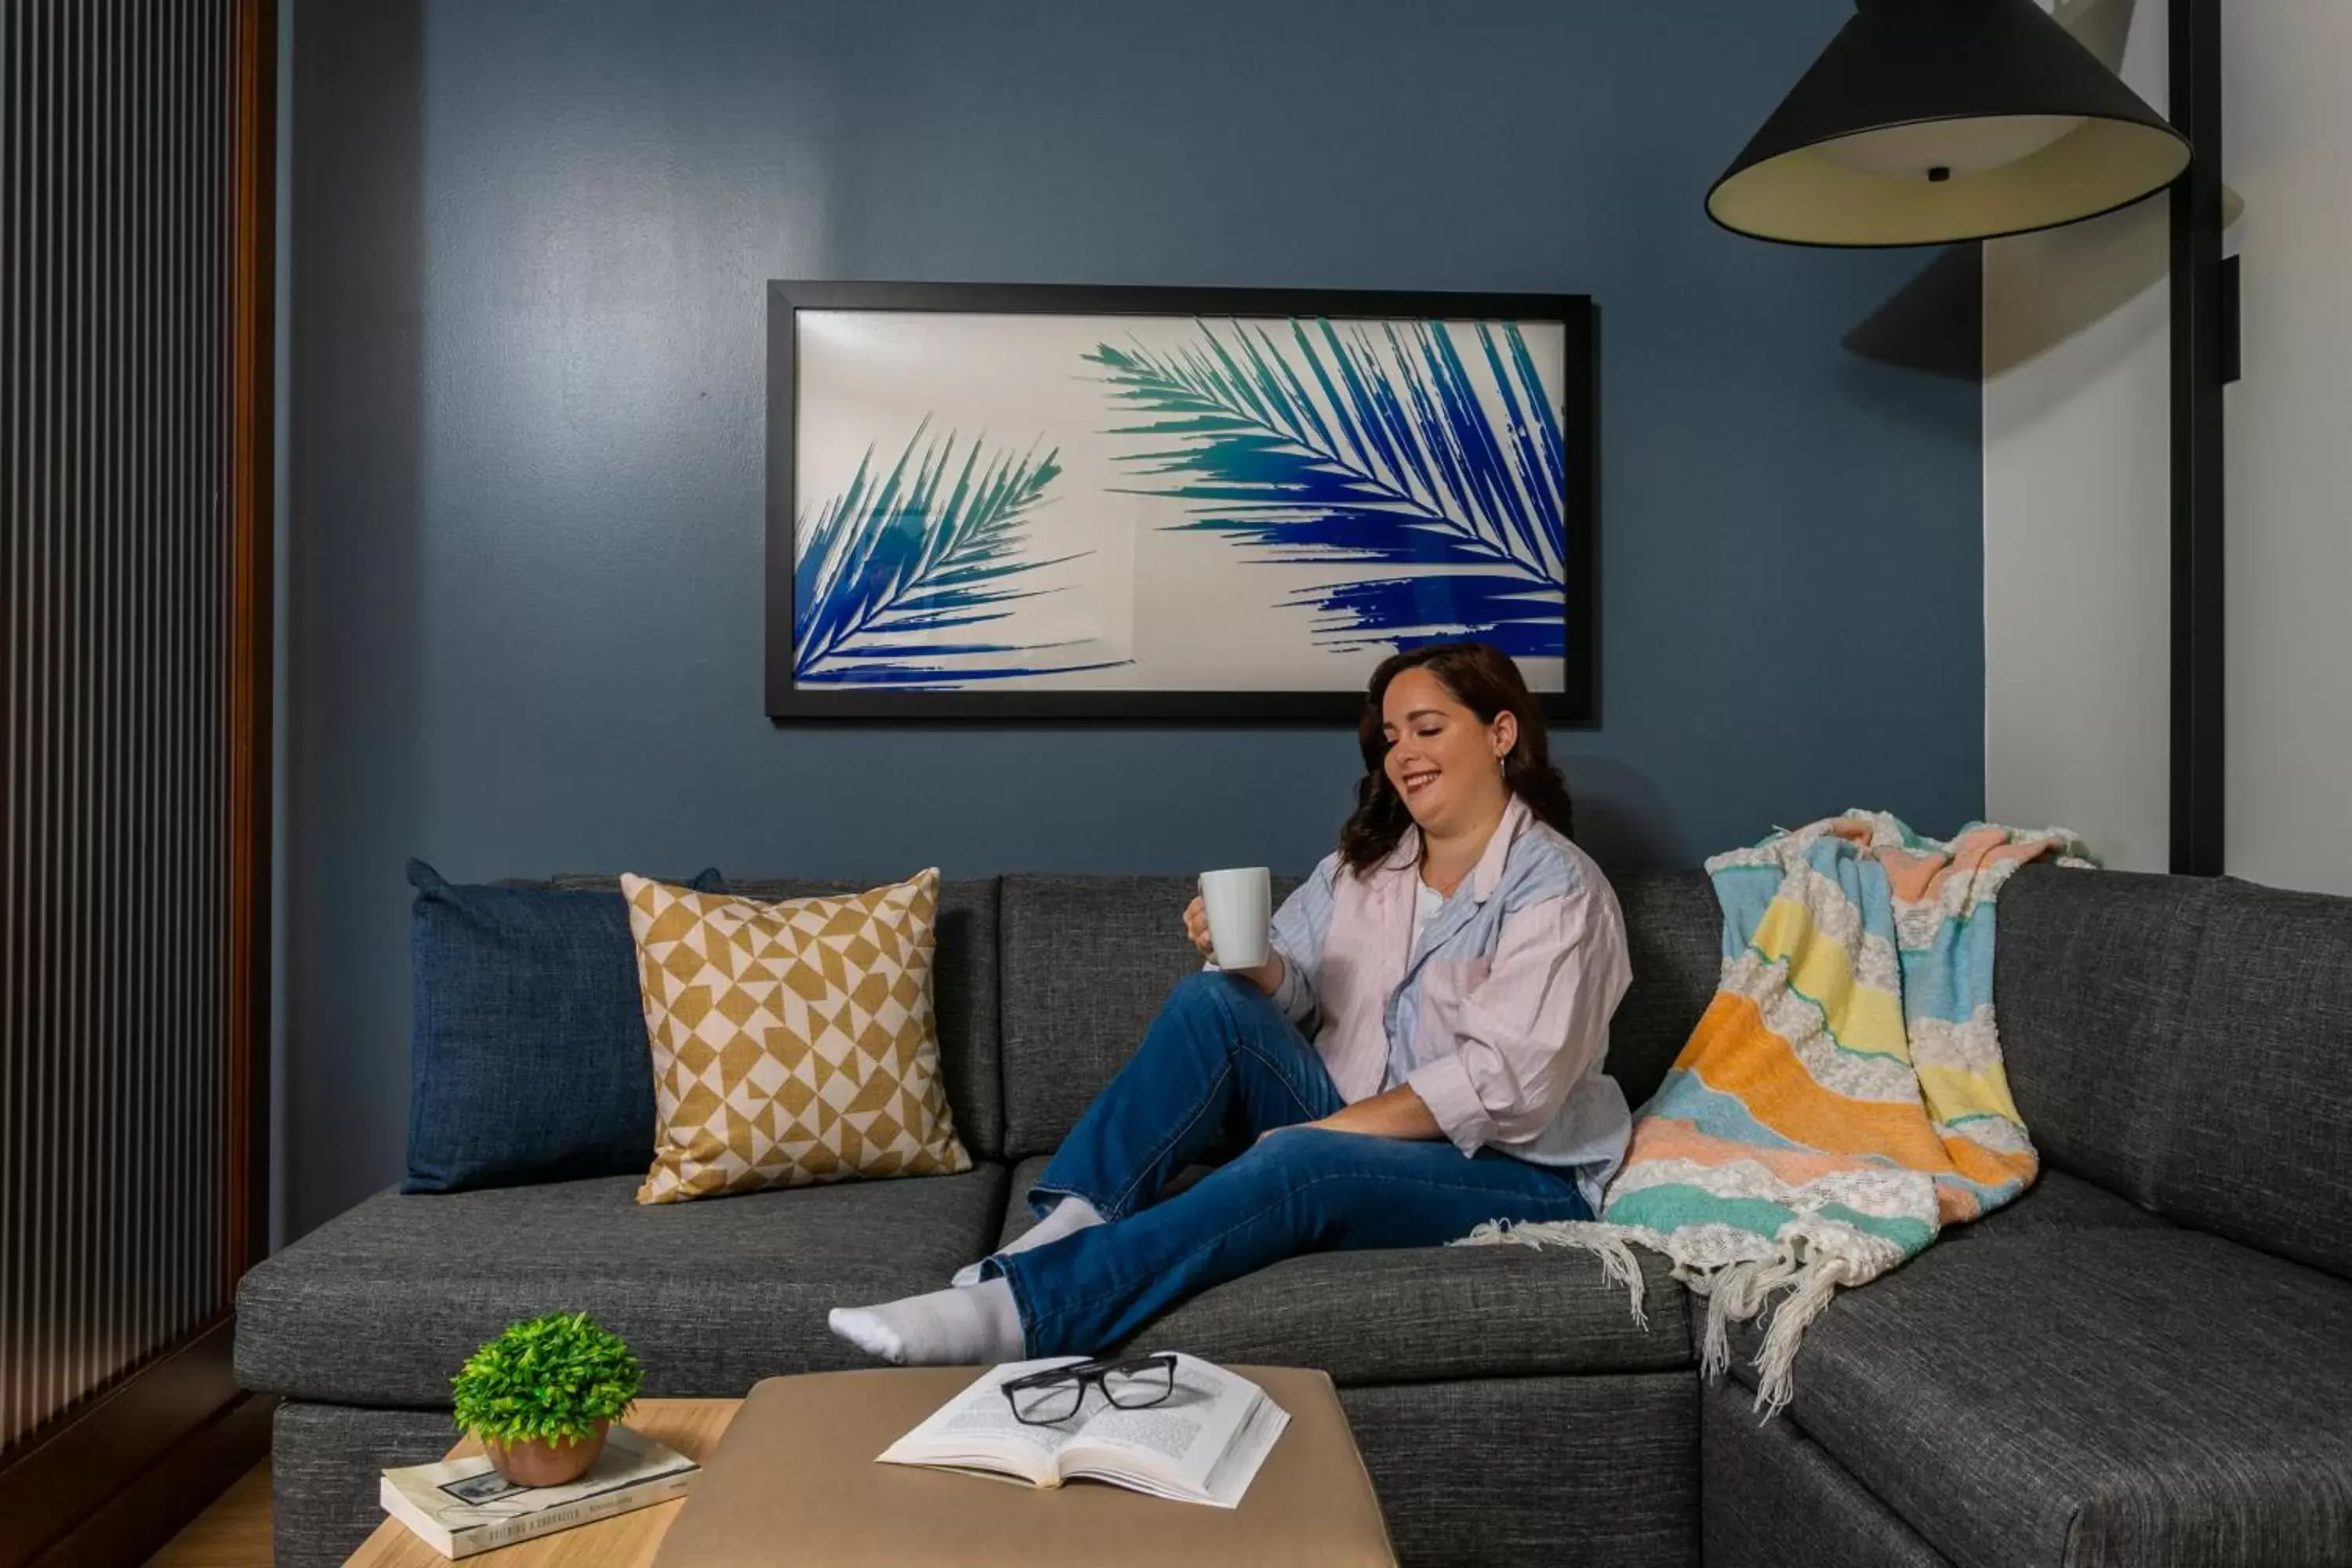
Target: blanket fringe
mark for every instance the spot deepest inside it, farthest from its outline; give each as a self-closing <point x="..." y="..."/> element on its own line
<point x="1605" y="1242"/>
<point x="1799" y="1264"/>
<point x="1736" y="1292"/>
<point x="1776" y="1361"/>
<point x="1740" y="1293"/>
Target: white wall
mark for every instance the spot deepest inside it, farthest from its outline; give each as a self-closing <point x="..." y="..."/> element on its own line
<point x="2287" y="150"/>
<point x="2077" y="496"/>
<point x="2077" y="477"/>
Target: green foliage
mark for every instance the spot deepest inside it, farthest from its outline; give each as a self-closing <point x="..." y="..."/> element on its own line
<point x="552" y="1378"/>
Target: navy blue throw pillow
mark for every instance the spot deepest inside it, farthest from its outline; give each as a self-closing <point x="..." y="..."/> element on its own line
<point x="528" y="1060"/>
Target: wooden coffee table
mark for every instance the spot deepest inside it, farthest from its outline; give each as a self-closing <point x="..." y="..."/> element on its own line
<point x="692" y="1426"/>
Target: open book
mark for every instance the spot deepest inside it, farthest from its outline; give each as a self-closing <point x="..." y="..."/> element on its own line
<point x="460" y="1507"/>
<point x="1202" y="1444"/>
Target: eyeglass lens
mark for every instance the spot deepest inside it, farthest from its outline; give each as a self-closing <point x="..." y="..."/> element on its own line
<point x="1134" y="1386"/>
<point x="1047" y="1402"/>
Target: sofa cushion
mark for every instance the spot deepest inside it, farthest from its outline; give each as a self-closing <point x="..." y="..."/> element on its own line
<point x="1772" y="1497"/>
<point x="527" y="1051"/>
<point x="964" y="997"/>
<point x="381" y="1304"/>
<point x="1409" y="1314"/>
<point x="2108" y="1397"/>
<point x="1559" y="1472"/>
<point x="327" y="1463"/>
<point x="2090" y="977"/>
<point x="1673" y="936"/>
<point x="1087" y="961"/>
<point x="2263" y="1091"/>
<point x="2056" y="1202"/>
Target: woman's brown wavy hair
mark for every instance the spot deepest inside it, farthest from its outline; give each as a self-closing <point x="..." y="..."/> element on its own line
<point x="1485" y="680"/>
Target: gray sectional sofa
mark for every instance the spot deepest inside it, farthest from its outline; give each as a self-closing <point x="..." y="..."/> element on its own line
<point x="2147" y="1360"/>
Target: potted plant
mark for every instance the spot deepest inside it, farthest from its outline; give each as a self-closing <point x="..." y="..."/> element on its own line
<point x="541" y="1394"/>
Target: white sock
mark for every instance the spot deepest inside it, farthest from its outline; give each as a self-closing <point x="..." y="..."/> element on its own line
<point x="979" y="1326"/>
<point x="1069" y="1217"/>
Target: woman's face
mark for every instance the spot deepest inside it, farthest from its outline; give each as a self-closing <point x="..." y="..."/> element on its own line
<point x="1441" y="760"/>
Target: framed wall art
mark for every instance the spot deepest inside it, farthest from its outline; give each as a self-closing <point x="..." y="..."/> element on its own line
<point x="1013" y="501"/>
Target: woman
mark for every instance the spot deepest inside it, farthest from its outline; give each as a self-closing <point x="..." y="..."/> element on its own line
<point x="1421" y="1052"/>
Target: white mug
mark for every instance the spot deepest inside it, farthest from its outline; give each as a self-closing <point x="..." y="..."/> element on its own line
<point x="1240" y="907"/>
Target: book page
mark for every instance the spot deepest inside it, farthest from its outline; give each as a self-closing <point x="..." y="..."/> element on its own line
<point x="1179" y="1440"/>
<point x="1239" y="1467"/>
<point x="977" y="1428"/>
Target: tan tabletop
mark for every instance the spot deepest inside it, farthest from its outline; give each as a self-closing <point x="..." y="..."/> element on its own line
<point x="692" y="1426"/>
<point x="795" y="1482"/>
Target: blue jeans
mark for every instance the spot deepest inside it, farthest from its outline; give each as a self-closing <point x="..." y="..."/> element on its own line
<point x="1221" y="1057"/>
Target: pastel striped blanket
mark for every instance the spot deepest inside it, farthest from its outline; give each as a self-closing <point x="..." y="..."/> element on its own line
<point x="1842" y="1099"/>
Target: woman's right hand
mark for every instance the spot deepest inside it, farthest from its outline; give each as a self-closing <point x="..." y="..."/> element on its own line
<point x="1196" y="926"/>
<point x="1267" y="976"/>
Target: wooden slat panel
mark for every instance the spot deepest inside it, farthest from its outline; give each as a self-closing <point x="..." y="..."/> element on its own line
<point x="137" y="153"/>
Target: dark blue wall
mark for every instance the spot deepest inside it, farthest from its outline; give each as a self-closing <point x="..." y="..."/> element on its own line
<point x="527" y="243"/>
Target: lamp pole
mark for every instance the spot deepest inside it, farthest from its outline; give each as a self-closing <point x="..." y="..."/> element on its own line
<point x="2203" y="332"/>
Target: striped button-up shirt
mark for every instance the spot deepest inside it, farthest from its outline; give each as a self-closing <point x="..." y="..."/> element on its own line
<point x="1497" y="1016"/>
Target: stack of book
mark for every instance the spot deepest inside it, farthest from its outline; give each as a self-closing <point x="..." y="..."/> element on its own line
<point x="464" y="1506"/>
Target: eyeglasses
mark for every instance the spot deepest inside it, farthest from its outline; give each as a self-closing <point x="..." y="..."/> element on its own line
<point x="1136" y="1383"/>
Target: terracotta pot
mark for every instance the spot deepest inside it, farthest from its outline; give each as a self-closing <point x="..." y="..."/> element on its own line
<point x="535" y="1462"/>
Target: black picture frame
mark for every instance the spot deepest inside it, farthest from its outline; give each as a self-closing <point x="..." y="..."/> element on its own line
<point x="787" y="700"/>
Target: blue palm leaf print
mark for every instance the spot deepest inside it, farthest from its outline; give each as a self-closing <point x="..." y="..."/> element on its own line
<point x="932" y="545"/>
<point x="1366" y="443"/>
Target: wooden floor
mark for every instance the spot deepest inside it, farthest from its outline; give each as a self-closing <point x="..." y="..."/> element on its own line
<point x="232" y="1533"/>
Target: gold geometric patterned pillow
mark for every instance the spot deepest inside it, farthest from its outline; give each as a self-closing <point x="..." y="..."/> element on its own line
<point x="793" y="1042"/>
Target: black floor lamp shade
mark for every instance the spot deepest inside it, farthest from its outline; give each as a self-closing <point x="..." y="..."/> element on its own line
<point x="1929" y="121"/>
